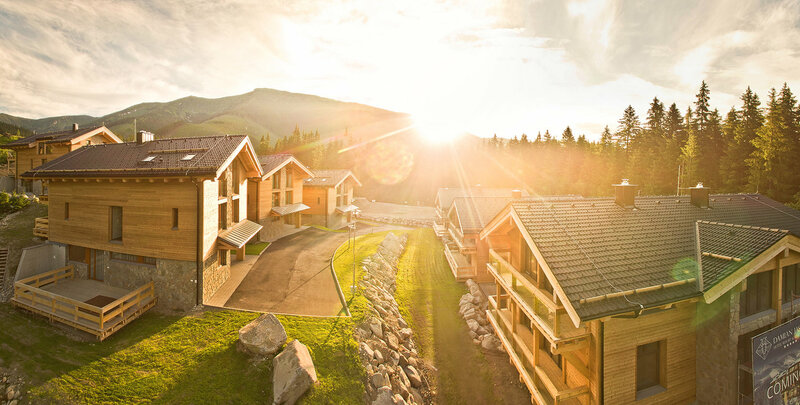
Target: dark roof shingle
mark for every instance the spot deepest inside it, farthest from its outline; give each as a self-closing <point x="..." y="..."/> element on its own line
<point x="52" y="137"/>
<point x="328" y="177"/>
<point x="170" y="157"/>
<point x="475" y="212"/>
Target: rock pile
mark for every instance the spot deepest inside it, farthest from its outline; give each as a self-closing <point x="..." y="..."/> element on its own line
<point x="10" y="388"/>
<point x="386" y="344"/>
<point x="293" y="371"/>
<point x="472" y="308"/>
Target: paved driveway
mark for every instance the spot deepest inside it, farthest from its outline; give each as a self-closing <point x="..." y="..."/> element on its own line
<point x="293" y="277"/>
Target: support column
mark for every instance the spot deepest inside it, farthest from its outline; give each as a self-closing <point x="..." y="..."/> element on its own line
<point x="240" y="253"/>
<point x="777" y="290"/>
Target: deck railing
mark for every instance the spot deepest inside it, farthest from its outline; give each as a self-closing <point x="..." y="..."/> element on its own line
<point x="550" y="317"/>
<point x="43" y="199"/>
<point x="460" y="271"/>
<point x="41" y="227"/>
<point x="99" y="321"/>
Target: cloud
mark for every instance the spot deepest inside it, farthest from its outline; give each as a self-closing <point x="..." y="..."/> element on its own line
<point x="502" y="67"/>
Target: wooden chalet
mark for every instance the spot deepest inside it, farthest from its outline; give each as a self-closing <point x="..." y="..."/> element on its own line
<point x="465" y="251"/>
<point x="163" y="215"/>
<point x="329" y="194"/>
<point x="444" y="201"/>
<point x="37" y="149"/>
<point x="276" y="199"/>
<point x="640" y="299"/>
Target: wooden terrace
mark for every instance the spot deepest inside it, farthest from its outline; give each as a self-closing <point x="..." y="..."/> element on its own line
<point x="88" y="305"/>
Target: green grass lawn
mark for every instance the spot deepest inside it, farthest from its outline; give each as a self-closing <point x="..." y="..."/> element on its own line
<point x="255" y="248"/>
<point x="428" y="296"/>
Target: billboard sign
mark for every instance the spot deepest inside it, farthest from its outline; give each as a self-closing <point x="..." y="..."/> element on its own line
<point x="776" y="365"/>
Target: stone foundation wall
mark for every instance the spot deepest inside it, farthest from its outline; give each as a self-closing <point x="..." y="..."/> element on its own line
<point x="174" y="280"/>
<point x="214" y="276"/>
<point x="716" y="350"/>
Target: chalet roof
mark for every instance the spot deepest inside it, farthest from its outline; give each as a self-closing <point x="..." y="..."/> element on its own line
<point x="289" y="209"/>
<point x="271" y="163"/>
<point x="163" y="157"/>
<point x="445" y="196"/>
<point x="344" y="209"/>
<point x="595" y="247"/>
<point x="51" y="137"/>
<point x="330" y="177"/>
<point x="475" y="212"/>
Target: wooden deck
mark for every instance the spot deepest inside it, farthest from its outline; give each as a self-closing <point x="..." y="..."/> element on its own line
<point x="41" y="228"/>
<point x="88" y="305"/>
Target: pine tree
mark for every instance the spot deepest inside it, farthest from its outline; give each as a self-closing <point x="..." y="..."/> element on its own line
<point x="770" y="149"/>
<point x="606" y="139"/>
<point x="628" y="129"/>
<point x="567" y="138"/>
<point x="674" y="124"/>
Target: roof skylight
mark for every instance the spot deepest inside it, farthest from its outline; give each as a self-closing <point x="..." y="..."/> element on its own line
<point x="188" y="157"/>
<point x="148" y="159"/>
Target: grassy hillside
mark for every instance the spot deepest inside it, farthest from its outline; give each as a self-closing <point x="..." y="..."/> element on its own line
<point x="256" y="113"/>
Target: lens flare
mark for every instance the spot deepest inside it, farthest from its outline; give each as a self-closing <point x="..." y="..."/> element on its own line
<point x="389" y="162"/>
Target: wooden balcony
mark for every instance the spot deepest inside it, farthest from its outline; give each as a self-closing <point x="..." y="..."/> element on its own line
<point x="41" y="228"/>
<point x="538" y="372"/>
<point x="548" y="316"/>
<point x="464" y="246"/>
<point x="43" y="199"/>
<point x="88" y="305"/>
<point x="459" y="265"/>
<point x="439" y="229"/>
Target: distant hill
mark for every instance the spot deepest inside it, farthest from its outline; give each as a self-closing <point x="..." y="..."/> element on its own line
<point x="257" y="113"/>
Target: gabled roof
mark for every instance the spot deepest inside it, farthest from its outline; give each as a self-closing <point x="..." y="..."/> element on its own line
<point x="475" y="212"/>
<point x="330" y="178"/>
<point x="594" y="247"/>
<point x="199" y="156"/>
<point x="272" y="163"/>
<point x="61" y="137"/>
<point x="445" y="196"/>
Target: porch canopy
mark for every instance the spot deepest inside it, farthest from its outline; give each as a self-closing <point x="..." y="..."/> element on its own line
<point x="344" y="209"/>
<point x="288" y="209"/>
<point x="236" y="236"/>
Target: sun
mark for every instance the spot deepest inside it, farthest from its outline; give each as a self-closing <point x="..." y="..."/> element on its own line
<point x="437" y="131"/>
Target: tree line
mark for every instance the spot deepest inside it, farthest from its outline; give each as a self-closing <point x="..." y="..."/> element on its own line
<point x="753" y="148"/>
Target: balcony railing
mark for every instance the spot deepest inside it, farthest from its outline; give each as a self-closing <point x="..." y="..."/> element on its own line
<point x="41" y="227"/>
<point x="463" y="245"/>
<point x="459" y="265"/>
<point x="542" y="377"/>
<point x="551" y="318"/>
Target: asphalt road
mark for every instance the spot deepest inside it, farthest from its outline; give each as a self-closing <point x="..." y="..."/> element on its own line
<point x="293" y="277"/>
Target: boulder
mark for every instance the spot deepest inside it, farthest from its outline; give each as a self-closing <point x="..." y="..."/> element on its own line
<point x="378" y="380"/>
<point x="474" y="326"/>
<point x="379" y="356"/>
<point x="293" y="373"/>
<point x="474" y="288"/>
<point x="386" y="397"/>
<point x="376" y="327"/>
<point x="405" y="334"/>
<point x="264" y="336"/>
<point x="366" y="351"/>
<point x="491" y="343"/>
<point x="391" y="341"/>
<point x="413" y="376"/>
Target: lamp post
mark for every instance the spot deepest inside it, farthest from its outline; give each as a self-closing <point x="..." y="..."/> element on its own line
<point x="352" y="227"/>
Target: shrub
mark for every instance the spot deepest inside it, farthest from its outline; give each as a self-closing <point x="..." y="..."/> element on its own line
<point x="12" y="202"/>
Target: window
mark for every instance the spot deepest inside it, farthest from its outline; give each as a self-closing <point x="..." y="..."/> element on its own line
<point x="116" y="224"/>
<point x="648" y="365"/>
<point x="174" y="218"/>
<point x="223" y="186"/>
<point x="236" y="211"/>
<point x="276" y="181"/>
<point x="288" y="179"/>
<point x="236" y="177"/>
<point x="319" y="201"/>
<point x="289" y="197"/>
<point x="77" y="253"/>
<point x="66" y="210"/>
<point x="276" y="199"/>
<point x="223" y="215"/>
<point x="758" y="295"/>
<point x="44" y="161"/>
<point x="133" y="258"/>
<point x="42" y="148"/>
<point x="527" y="260"/>
<point x="791" y="282"/>
<point x="223" y="257"/>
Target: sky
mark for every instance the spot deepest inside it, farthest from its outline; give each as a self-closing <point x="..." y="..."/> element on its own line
<point x="485" y="67"/>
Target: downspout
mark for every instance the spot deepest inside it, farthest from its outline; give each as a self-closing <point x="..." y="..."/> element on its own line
<point x="601" y="380"/>
<point x="199" y="278"/>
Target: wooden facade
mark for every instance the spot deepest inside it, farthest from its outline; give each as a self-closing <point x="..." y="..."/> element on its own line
<point x="281" y="187"/>
<point x="326" y="202"/>
<point x="700" y="346"/>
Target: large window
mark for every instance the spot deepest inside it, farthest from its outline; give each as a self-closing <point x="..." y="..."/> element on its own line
<point x="116" y="224"/>
<point x="223" y="186"/>
<point x="649" y="361"/>
<point x="288" y="178"/>
<point x="236" y="177"/>
<point x="276" y="180"/>
<point x="235" y="211"/>
<point x="223" y="215"/>
<point x="276" y="199"/>
<point x="758" y="295"/>
<point x="791" y="282"/>
<point x="288" y="197"/>
<point x="133" y="258"/>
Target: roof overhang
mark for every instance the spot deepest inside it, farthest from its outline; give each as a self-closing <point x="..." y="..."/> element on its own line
<point x="252" y="159"/>
<point x="346" y="208"/>
<point x="289" y="159"/>
<point x="238" y="235"/>
<point x="288" y="209"/>
<point x="102" y="130"/>
<point x="781" y="250"/>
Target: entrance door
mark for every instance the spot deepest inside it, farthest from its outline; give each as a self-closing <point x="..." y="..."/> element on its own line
<point x="95" y="271"/>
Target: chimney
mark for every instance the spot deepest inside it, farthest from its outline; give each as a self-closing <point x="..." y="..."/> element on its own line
<point x="515" y="194"/>
<point x="699" y="195"/>
<point x="625" y="193"/>
<point x="75" y="127"/>
<point x="144" y="136"/>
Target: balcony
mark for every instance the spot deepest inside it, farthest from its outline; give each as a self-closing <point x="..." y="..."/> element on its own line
<point x="548" y="316"/>
<point x="439" y="229"/>
<point x="41" y="227"/>
<point x="459" y="265"/>
<point x="464" y="246"/>
<point x="43" y="199"/>
<point x="88" y="305"/>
